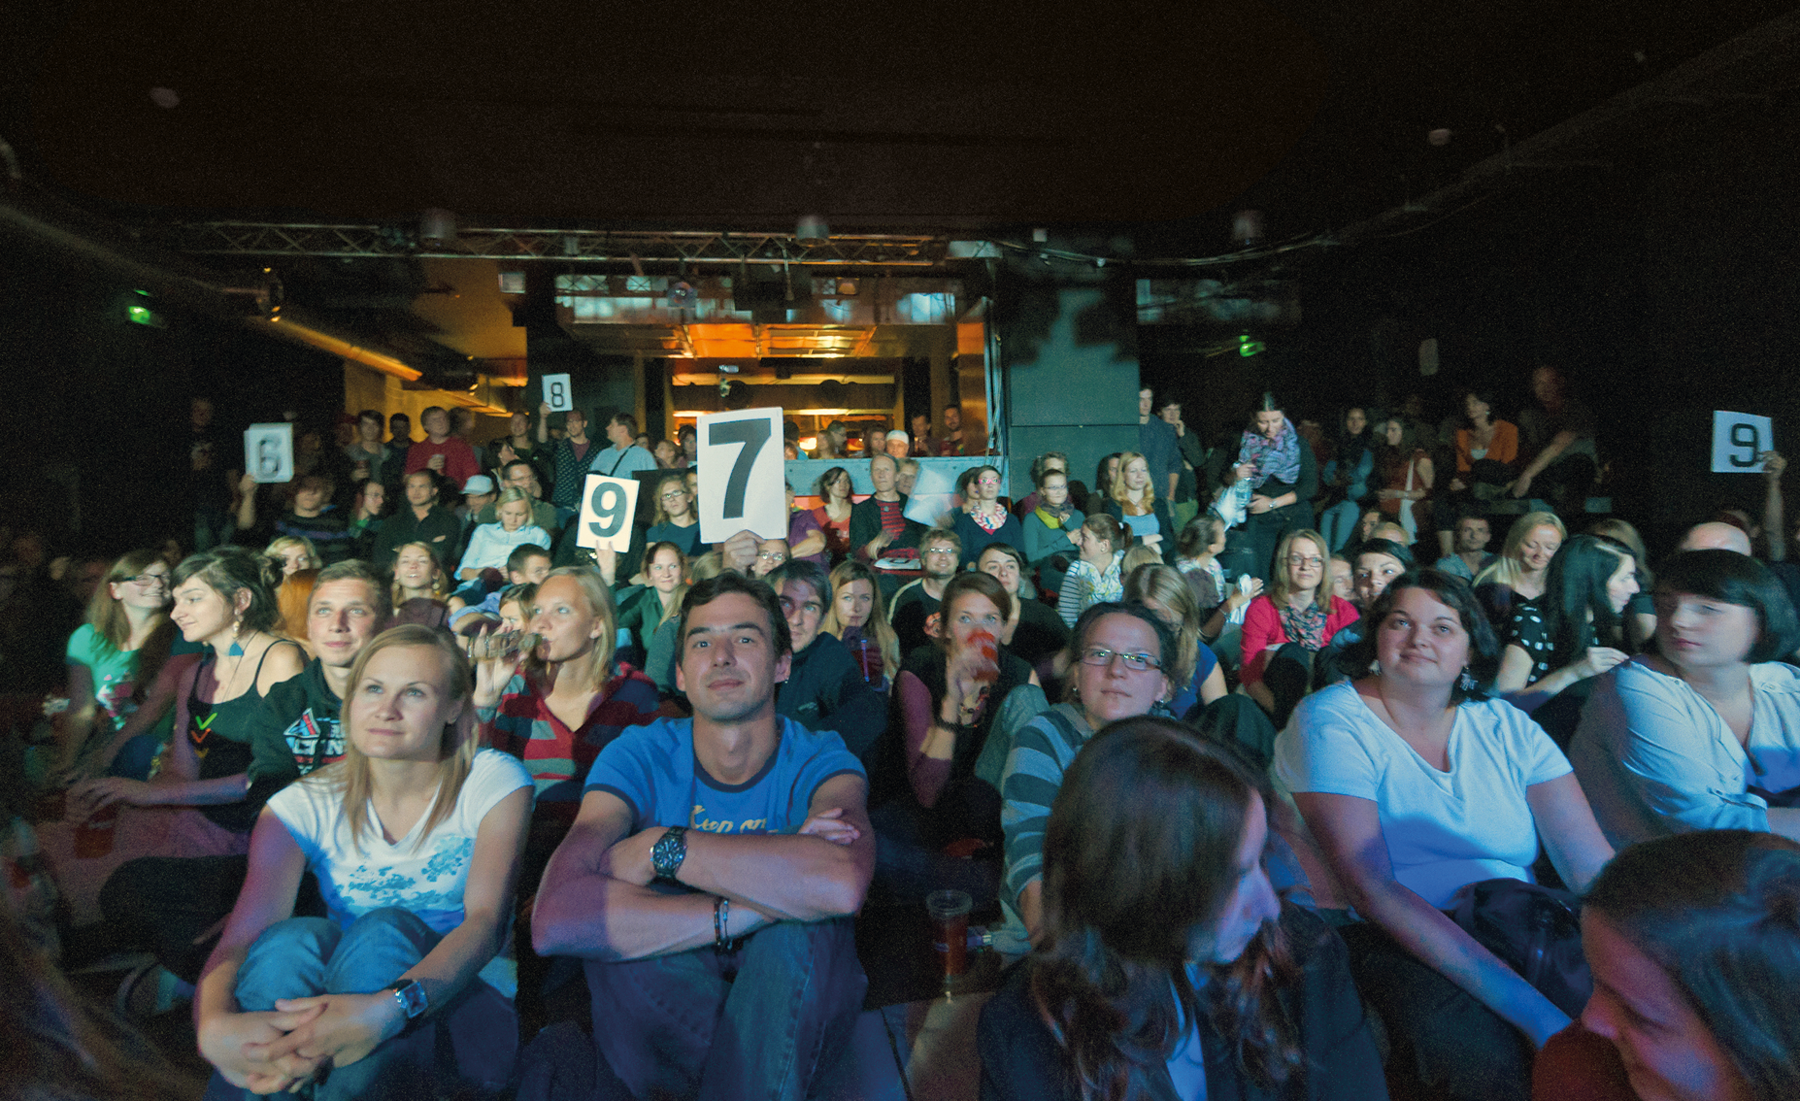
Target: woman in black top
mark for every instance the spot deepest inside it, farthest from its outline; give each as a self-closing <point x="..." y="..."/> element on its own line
<point x="1176" y="973"/>
<point x="195" y="806"/>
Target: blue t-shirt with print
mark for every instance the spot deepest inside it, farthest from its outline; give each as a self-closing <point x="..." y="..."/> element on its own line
<point x="653" y="769"/>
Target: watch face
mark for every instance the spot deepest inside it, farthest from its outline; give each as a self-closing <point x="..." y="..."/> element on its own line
<point x="412" y="998"/>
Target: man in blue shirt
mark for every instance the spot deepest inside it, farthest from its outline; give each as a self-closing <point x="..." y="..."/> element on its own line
<point x="623" y="458"/>
<point x="710" y="878"/>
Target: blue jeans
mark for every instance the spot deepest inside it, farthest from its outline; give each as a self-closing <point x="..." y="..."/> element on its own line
<point x="760" y="1022"/>
<point x="305" y="957"/>
<point x="1338" y="523"/>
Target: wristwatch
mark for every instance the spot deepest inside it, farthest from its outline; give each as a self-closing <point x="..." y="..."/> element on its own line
<point x="411" y="997"/>
<point x="668" y="852"/>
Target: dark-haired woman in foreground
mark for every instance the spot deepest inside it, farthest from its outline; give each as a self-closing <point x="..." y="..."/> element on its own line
<point x="1704" y="734"/>
<point x="1414" y="789"/>
<point x="1177" y="974"/>
<point x="1695" y="949"/>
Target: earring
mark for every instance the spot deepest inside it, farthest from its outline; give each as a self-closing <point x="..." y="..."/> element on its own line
<point x="1466" y="682"/>
<point x="237" y="628"/>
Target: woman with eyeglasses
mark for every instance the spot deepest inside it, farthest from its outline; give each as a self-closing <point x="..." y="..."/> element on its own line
<point x="1286" y="626"/>
<point x="196" y="805"/>
<point x="114" y="659"/>
<point x="675" y="518"/>
<point x="1116" y="671"/>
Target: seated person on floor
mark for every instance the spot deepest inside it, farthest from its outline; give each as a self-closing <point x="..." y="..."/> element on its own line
<point x="415" y="838"/>
<point x="1033" y="631"/>
<point x="173" y="904"/>
<point x="1518" y="574"/>
<point x="1177" y="973"/>
<point x="559" y="704"/>
<point x="857" y="616"/>
<point x="195" y="805"/>
<point x="526" y="565"/>
<point x="825" y="688"/>
<point x="1117" y="671"/>
<point x="1415" y="788"/>
<point x="948" y="698"/>
<point x="917" y="601"/>
<point x="1556" y="645"/>
<point x="1696" y="956"/>
<point x="1285" y="627"/>
<point x="710" y="879"/>
<point x="1704" y="733"/>
<point x="1470" y="554"/>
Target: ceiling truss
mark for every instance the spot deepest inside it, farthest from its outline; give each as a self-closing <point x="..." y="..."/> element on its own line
<point x="289" y="239"/>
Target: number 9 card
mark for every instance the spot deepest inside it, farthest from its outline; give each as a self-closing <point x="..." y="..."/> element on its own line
<point x="743" y="483"/>
<point x="607" y="507"/>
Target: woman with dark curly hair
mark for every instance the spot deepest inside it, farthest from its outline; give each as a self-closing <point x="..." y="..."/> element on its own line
<point x="1176" y="973"/>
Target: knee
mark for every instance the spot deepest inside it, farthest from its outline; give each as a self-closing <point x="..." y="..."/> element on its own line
<point x="310" y="939"/>
<point x="377" y="948"/>
<point x="287" y="961"/>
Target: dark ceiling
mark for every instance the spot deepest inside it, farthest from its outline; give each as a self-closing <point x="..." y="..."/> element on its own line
<point x="1158" y="119"/>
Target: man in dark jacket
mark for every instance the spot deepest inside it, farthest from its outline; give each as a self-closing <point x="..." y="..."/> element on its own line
<point x="825" y="688"/>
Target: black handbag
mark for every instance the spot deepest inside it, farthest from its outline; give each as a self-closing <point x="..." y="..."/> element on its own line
<point x="1534" y="930"/>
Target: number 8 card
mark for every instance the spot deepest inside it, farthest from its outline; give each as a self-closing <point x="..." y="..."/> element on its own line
<point x="743" y="483"/>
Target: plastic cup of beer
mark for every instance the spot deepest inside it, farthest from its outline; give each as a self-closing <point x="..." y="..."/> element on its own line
<point x="949" y="912"/>
<point x="94" y="837"/>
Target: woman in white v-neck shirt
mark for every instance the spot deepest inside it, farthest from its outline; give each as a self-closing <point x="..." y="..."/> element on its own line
<point x="1413" y="790"/>
<point x="415" y="837"/>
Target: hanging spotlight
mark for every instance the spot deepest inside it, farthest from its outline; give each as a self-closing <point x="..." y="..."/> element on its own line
<point x="812" y="230"/>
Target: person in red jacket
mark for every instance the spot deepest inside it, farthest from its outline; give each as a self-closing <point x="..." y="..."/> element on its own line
<point x="440" y="452"/>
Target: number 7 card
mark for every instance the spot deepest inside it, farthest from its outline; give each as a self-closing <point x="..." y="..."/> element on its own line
<point x="743" y="485"/>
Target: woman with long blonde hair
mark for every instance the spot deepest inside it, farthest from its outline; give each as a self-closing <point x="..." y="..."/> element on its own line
<point x="857" y="617"/>
<point x="1521" y="571"/>
<point x="415" y="837"/>
<point x="1134" y="503"/>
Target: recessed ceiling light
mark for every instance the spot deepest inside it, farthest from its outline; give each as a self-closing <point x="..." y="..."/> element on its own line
<point x="165" y="98"/>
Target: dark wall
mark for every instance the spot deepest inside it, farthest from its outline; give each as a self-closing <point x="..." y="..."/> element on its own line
<point x="94" y="417"/>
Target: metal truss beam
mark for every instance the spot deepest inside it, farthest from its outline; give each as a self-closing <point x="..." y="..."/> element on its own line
<point x="843" y="250"/>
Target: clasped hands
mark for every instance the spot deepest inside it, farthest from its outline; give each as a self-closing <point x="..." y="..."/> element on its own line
<point x="270" y="1052"/>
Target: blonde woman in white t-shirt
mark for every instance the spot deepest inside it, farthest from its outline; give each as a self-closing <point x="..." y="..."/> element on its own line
<point x="415" y="837"/>
<point x="1414" y="789"/>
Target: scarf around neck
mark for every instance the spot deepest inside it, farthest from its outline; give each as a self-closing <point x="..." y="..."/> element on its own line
<point x="1278" y="458"/>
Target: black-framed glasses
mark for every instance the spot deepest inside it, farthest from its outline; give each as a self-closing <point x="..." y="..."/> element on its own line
<point x="148" y="580"/>
<point x="1101" y="657"/>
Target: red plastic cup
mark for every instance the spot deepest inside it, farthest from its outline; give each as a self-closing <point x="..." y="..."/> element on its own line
<point x="94" y="838"/>
<point x="949" y="912"/>
<point x="989" y="648"/>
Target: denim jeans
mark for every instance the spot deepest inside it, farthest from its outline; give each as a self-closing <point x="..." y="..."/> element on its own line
<point x="758" y="1022"/>
<point x="304" y="957"/>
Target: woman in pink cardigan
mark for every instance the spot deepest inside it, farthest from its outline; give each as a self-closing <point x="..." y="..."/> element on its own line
<point x="1285" y="627"/>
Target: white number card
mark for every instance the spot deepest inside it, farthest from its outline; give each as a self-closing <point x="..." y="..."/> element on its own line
<point x="1739" y="439"/>
<point x="607" y="507"/>
<point x="558" y="394"/>
<point x="269" y="452"/>
<point x="742" y="483"/>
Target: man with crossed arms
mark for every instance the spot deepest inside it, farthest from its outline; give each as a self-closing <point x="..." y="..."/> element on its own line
<point x="710" y="878"/>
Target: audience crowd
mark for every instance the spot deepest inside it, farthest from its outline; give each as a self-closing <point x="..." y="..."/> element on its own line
<point x="1277" y="777"/>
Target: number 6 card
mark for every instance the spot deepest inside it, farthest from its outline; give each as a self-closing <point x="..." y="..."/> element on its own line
<point x="607" y="506"/>
<point x="743" y="484"/>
